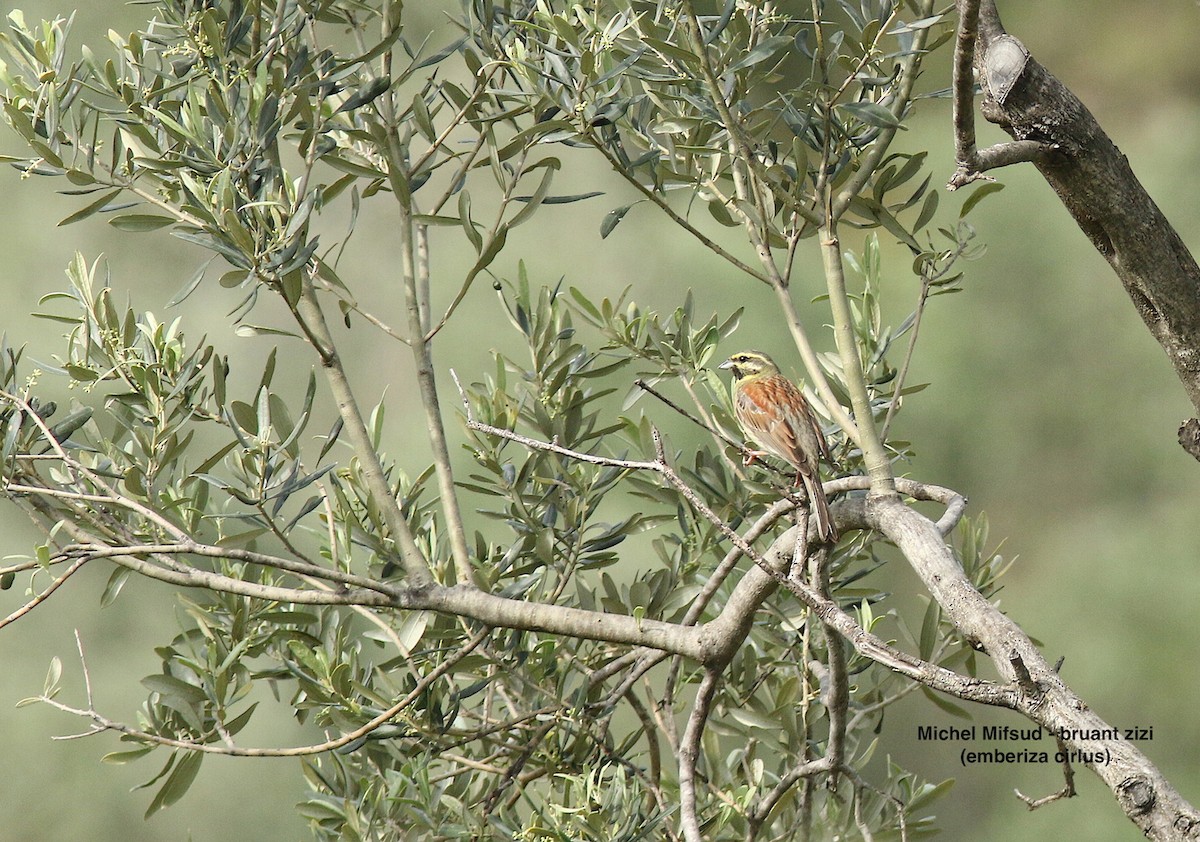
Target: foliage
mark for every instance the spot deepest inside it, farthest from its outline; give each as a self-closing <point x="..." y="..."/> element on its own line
<point x="247" y="130"/>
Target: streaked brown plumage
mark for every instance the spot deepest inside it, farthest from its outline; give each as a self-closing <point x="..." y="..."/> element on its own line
<point x="774" y="414"/>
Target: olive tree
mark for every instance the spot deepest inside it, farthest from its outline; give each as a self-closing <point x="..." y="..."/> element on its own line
<point x="577" y="618"/>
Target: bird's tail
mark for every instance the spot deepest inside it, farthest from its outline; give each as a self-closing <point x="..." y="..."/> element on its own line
<point x="819" y="507"/>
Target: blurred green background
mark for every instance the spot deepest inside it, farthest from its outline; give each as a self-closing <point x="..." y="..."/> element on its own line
<point x="1051" y="408"/>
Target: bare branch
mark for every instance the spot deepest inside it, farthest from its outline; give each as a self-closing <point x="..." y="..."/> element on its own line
<point x="90" y="551"/>
<point x="1099" y="188"/>
<point x="963" y="81"/>
<point x="875" y="456"/>
<point x="44" y="595"/>
<point x="705" y="422"/>
<point x="309" y="314"/>
<point x="1139" y="787"/>
<point x="971" y="163"/>
<point x="994" y="157"/>
<point x="689" y="751"/>
<point x="1068" y="787"/>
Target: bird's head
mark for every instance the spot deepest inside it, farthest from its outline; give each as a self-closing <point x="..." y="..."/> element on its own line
<point x="748" y="365"/>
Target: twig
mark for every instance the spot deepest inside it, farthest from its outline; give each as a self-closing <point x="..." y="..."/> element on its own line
<point x="861" y="783"/>
<point x="90" y="551"/>
<point x="1024" y="680"/>
<point x="528" y="747"/>
<point x="482" y="83"/>
<point x="705" y="421"/>
<point x="994" y="157"/>
<point x="87" y="678"/>
<point x="711" y="429"/>
<point x="102" y="723"/>
<point x="963" y="82"/>
<point x="79" y="468"/>
<point x="653" y="748"/>
<point x="971" y="163"/>
<point x="647" y="659"/>
<point x="417" y="307"/>
<point x="812" y="365"/>
<point x="309" y="314"/>
<point x="902" y="376"/>
<point x="463" y="603"/>
<point x="44" y="595"/>
<point x="742" y="155"/>
<point x="838" y="697"/>
<point x="1068" y="788"/>
<point x="354" y="306"/>
<point x="836" y="700"/>
<point x="666" y="208"/>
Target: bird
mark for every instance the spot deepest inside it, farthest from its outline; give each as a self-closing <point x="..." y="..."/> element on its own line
<point x="774" y="414"/>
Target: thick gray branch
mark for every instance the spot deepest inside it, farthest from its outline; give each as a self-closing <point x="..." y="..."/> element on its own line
<point x="1147" y="798"/>
<point x="1095" y="182"/>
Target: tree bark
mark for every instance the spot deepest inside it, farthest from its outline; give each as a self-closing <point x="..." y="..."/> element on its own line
<point x="1052" y="128"/>
<point x="1146" y="797"/>
<point x="1094" y="180"/>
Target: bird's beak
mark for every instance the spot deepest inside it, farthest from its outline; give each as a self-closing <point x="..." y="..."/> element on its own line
<point x="726" y="364"/>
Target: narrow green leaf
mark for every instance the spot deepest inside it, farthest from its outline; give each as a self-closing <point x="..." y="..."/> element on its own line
<point x="464" y="214"/>
<point x="532" y="202"/>
<point x="246" y="416"/>
<point x="190" y="286"/>
<point x="929" y="627"/>
<point x="435" y="219"/>
<point x="439" y="56"/>
<point x="112" y="589"/>
<point x="65" y="428"/>
<point x="948" y="706"/>
<point x="765" y="49"/>
<point x="613" y="218"/>
<point x="233" y="278"/>
<point x="366" y="93"/>
<point x="247" y="330"/>
<point x="331" y="437"/>
<point x="53" y="676"/>
<point x="928" y="209"/>
<point x="871" y="113"/>
<point x="568" y="199"/>
<point x="352" y="167"/>
<point x="120" y="758"/>
<point x="88" y="210"/>
<point x="983" y="191"/>
<point x="178" y="782"/>
<point x="81" y="373"/>
<point x="169" y="685"/>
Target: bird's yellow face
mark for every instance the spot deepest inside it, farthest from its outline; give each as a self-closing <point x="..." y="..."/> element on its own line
<point x="747" y="366"/>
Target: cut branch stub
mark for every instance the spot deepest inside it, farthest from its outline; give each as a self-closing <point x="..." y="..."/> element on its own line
<point x="1189" y="437"/>
<point x="1004" y="62"/>
<point x="1096" y="184"/>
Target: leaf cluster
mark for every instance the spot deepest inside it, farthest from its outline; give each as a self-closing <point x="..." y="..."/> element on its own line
<point x="249" y="130"/>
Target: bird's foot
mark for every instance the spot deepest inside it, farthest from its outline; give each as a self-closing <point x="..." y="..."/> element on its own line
<point x="752" y="456"/>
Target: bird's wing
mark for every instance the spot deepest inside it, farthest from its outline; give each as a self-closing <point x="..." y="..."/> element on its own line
<point x="810" y="420"/>
<point x="770" y="428"/>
